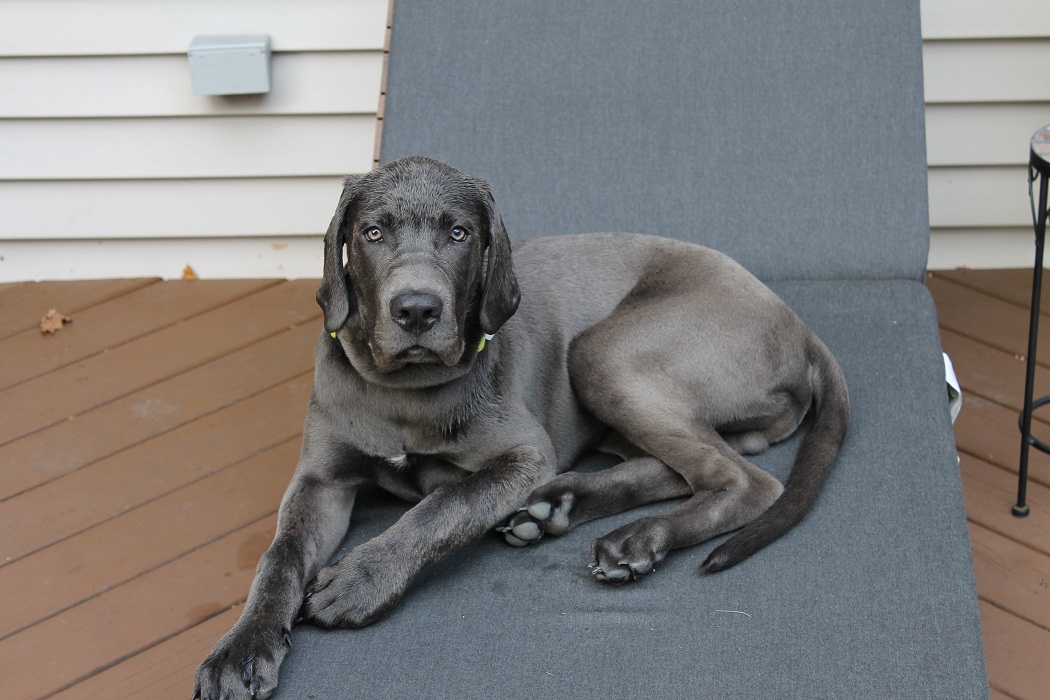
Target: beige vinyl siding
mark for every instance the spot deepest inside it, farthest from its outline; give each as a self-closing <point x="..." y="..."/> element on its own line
<point x="111" y="167"/>
<point x="987" y="83"/>
<point x="150" y="27"/>
<point x="340" y="82"/>
<point x="147" y="208"/>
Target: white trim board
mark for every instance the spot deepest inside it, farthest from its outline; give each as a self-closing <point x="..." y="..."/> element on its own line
<point x="186" y="147"/>
<point x="982" y="249"/>
<point x="343" y="82"/>
<point x="210" y="258"/>
<point x="122" y="27"/>
<point x="294" y="257"/>
<point x="90" y="209"/>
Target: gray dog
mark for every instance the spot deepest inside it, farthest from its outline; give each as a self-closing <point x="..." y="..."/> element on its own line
<point x="667" y="354"/>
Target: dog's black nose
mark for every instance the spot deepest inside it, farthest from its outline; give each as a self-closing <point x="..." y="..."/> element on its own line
<point x="416" y="311"/>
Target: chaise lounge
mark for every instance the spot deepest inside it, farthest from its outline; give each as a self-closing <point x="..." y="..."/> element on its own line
<point x="791" y="137"/>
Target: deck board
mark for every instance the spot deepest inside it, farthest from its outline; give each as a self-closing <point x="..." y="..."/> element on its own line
<point x="22" y="305"/>
<point x="127" y="366"/>
<point x="108" y="325"/>
<point x="146" y="413"/>
<point x="46" y="515"/>
<point x="87" y="638"/>
<point x="989" y="431"/>
<point x="142" y="467"/>
<point x="996" y="323"/>
<point x="984" y="320"/>
<point x="157" y="532"/>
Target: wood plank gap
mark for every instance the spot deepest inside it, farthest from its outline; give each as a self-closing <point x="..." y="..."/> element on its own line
<point x="982" y="317"/>
<point x="1011" y="285"/>
<point x="989" y="432"/>
<point x="137" y="389"/>
<point x="147" y="414"/>
<point x="991" y="346"/>
<point x="1015" y="650"/>
<point x="86" y="565"/>
<point x="102" y="327"/>
<point x="143" y="572"/>
<point x="150" y="499"/>
<point x="1038" y="417"/>
<point x="976" y="513"/>
<point x="69" y="661"/>
<point x="159" y="466"/>
<point x="70" y="306"/>
<point x="265" y="285"/>
<point x="165" y="670"/>
<point x="999" y="694"/>
<point x="990" y="290"/>
<point x="1011" y="576"/>
<point x="91" y="395"/>
<point x="1009" y="469"/>
<point x="990" y="373"/>
<point x="168" y="429"/>
<point x="1012" y="613"/>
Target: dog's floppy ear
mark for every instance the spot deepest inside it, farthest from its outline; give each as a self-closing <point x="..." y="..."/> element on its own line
<point x="500" y="296"/>
<point x="334" y="293"/>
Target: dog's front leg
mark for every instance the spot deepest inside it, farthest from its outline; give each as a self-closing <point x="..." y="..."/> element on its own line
<point x="373" y="576"/>
<point x="313" y="519"/>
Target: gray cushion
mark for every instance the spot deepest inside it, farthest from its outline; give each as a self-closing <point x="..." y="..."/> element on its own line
<point x="789" y="135"/>
<point x="872" y="596"/>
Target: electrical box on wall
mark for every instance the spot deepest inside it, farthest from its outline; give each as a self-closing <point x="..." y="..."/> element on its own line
<point x="230" y="65"/>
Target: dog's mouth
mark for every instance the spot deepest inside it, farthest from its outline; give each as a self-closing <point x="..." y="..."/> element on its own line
<point x="414" y="356"/>
<point x="419" y="355"/>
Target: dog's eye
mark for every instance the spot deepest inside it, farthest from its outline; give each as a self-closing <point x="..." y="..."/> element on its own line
<point x="373" y="235"/>
<point x="459" y="234"/>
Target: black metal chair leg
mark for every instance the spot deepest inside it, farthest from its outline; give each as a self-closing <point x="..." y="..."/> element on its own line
<point x="1039" y="169"/>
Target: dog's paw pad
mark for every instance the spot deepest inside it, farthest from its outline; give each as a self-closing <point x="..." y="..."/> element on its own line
<point x="542" y="517"/>
<point x="526" y="531"/>
<point x="521" y="530"/>
<point x="552" y="511"/>
<point x="540" y="511"/>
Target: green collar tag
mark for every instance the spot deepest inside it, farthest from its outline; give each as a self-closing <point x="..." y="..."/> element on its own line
<point x="484" y="339"/>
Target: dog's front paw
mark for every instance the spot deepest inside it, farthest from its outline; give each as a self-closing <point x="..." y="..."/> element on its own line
<point x="546" y="514"/>
<point x="353" y="592"/>
<point x="629" y="552"/>
<point x="243" y="664"/>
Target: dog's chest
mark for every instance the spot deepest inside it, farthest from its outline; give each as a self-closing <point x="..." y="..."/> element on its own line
<point x="394" y="436"/>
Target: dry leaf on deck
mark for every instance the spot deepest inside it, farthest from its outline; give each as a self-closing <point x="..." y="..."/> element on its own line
<point x="53" y="322"/>
<point x="188" y="273"/>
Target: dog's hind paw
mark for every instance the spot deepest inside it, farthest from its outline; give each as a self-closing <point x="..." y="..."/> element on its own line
<point x="629" y="552"/>
<point x="543" y="516"/>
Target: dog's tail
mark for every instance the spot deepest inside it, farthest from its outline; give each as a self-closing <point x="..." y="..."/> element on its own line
<point x="816" y="455"/>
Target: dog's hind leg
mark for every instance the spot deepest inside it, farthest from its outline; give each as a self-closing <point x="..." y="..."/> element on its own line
<point x="728" y="492"/>
<point x="661" y="412"/>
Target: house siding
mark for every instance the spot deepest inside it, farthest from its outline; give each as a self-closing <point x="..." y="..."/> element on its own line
<point x="111" y="167"/>
<point x="987" y="80"/>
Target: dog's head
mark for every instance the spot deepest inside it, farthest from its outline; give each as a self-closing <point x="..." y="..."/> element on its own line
<point x="427" y="271"/>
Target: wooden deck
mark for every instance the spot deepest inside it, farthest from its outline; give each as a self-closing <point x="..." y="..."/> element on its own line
<point x="145" y="446"/>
